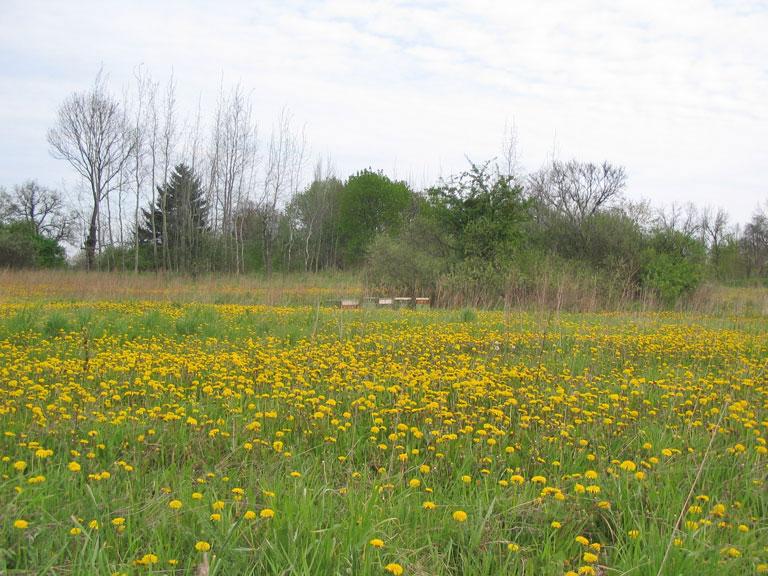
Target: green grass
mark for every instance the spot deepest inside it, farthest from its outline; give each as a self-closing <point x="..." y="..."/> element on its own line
<point x="196" y="397"/>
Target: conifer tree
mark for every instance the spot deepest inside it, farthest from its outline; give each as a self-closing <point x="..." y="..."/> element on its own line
<point x="186" y="218"/>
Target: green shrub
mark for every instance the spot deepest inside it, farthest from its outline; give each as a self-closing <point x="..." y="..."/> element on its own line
<point x="22" y="247"/>
<point x="673" y="265"/>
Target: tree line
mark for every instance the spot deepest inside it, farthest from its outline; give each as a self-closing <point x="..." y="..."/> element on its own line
<point x="165" y="193"/>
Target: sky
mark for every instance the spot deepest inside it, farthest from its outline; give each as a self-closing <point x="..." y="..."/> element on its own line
<point x="676" y="91"/>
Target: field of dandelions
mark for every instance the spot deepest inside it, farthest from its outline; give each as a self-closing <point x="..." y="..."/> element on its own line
<point x="158" y="438"/>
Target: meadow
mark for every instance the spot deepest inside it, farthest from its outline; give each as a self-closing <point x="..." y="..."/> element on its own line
<point x="184" y="437"/>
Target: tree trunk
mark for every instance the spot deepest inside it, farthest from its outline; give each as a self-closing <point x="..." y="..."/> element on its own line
<point x="90" y="240"/>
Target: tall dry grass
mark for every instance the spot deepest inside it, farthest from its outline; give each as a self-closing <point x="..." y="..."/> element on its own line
<point x="557" y="291"/>
<point x="81" y="285"/>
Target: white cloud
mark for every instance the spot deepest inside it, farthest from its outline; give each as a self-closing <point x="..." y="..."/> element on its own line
<point x="674" y="91"/>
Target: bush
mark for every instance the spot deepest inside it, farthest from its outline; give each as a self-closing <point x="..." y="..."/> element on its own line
<point x="473" y="282"/>
<point x="673" y="265"/>
<point x="401" y="266"/>
<point x="21" y="247"/>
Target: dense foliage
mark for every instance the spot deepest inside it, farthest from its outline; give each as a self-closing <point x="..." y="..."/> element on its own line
<point x="481" y="238"/>
<point x="22" y="247"/>
<point x="370" y="204"/>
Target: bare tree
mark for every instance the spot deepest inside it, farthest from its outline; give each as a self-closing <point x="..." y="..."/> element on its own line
<point x="683" y="218"/>
<point x="313" y="208"/>
<point x="153" y="135"/>
<point x="233" y="162"/>
<point x="42" y="207"/>
<point x="510" y="154"/>
<point x="122" y="187"/>
<point x="190" y="235"/>
<point x="90" y="133"/>
<point x="754" y="243"/>
<point x="167" y="150"/>
<point x="139" y="130"/>
<point x="282" y="175"/>
<point x="294" y="184"/>
<point x="578" y="190"/>
<point x="714" y="227"/>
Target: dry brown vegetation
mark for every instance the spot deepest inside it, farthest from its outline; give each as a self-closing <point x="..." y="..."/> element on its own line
<point x="549" y="293"/>
<point x="81" y="285"/>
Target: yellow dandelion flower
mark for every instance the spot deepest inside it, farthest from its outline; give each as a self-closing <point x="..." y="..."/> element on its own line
<point x="459" y="516"/>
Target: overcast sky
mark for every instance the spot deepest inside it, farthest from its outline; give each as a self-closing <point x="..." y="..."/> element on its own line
<point x="674" y="90"/>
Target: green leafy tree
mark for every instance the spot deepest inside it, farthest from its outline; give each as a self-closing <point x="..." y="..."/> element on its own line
<point x="482" y="211"/>
<point x="186" y="219"/>
<point x="674" y="264"/>
<point x="370" y="204"/>
<point x="22" y="247"/>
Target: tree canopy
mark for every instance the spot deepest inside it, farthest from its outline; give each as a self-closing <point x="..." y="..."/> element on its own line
<point x="370" y="204"/>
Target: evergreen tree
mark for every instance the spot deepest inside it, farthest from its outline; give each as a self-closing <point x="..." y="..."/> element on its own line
<point x="186" y="216"/>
